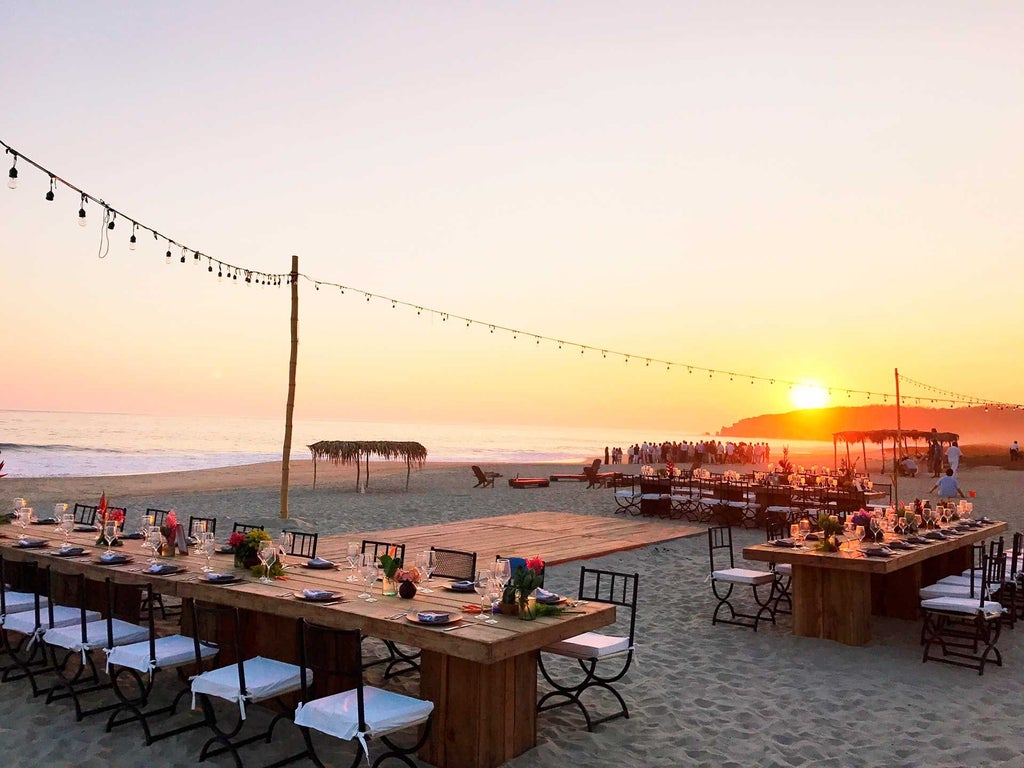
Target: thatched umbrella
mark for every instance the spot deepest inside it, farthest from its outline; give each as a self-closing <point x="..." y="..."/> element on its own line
<point x="879" y="436"/>
<point x="353" y="451"/>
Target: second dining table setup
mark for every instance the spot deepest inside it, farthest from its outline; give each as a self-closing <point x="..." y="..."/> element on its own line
<point x="478" y="668"/>
<point x="878" y="566"/>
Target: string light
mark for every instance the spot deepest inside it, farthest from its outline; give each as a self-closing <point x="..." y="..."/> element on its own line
<point x="263" y="278"/>
<point x="12" y="175"/>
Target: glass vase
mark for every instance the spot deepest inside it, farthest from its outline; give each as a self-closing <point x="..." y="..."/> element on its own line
<point x="389" y="587"/>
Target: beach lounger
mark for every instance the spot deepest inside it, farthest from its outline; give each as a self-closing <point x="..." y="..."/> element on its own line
<point x="484" y="479"/>
<point x="528" y="482"/>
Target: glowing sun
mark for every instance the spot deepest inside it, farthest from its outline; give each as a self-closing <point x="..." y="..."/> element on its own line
<point x="808" y="396"/>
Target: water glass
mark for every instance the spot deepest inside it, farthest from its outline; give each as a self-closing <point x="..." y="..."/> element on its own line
<point x="369" y="573"/>
<point x="423" y="564"/>
<point x="208" y="545"/>
<point x="268" y="556"/>
<point x="482" y="585"/>
<point x="110" y="535"/>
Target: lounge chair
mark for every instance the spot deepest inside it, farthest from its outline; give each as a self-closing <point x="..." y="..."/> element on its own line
<point x="484" y="479"/>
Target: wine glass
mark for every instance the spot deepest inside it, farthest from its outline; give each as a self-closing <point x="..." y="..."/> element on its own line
<point x="876" y="528"/>
<point x="152" y="541"/>
<point x="268" y="556"/>
<point x="502" y="571"/>
<point x="898" y="525"/>
<point x="354" y="557"/>
<point x="423" y="563"/>
<point x="482" y="585"/>
<point x="67" y="524"/>
<point x="208" y="544"/>
<point x="805" y="528"/>
<point x="861" y="533"/>
<point x="110" y="535"/>
<point x="369" y="573"/>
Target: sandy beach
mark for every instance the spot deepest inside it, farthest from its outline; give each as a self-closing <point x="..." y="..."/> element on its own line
<point x="699" y="695"/>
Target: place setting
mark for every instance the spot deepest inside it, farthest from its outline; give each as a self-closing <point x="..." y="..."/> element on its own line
<point x="321" y="596"/>
<point x="319" y="564"/>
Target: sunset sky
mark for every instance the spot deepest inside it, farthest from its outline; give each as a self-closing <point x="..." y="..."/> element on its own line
<point x="805" y="191"/>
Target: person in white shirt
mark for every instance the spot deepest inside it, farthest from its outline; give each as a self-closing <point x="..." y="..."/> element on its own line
<point x="1014" y="451"/>
<point x="953" y="456"/>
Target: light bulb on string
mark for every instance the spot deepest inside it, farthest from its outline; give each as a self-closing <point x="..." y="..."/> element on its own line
<point x="195" y="258"/>
<point x="183" y="252"/>
<point x="132" y="240"/>
<point x="81" y="213"/>
<point x="49" y="195"/>
<point x="110" y="224"/>
<point x="12" y="175"/>
<point x="167" y="256"/>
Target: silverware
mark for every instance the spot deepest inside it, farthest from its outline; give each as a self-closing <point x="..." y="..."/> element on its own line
<point x="458" y="626"/>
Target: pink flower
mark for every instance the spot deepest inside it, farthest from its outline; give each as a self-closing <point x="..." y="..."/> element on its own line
<point x="172" y="519"/>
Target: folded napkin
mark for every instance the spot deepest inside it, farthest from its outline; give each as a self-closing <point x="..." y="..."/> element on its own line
<point x="811" y="537"/>
<point x="549" y="598"/>
<point x="220" y="577"/>
<point x="462" y="586"/>
<point x="934" y="535"/>
<point x="898" y="545"/>
<point x="31" y="543"/>
<point x="783" y="543"/>
<point x="45" y="521"/>
<point x="70" y="551"/>
<point x="917" y="540"/>
<point x="190" y="540"/>
<point x="162" y="568"/>
<point x="225" y="548"/>
<point x="81" y="528"/>
<point x="317" y="594"/>
<point x="432" y="617"/>
<point x="877" y="552"/>
<point x="113" y="557"/>
<point x="319" y="562"/>
<point x="134" y="535"/>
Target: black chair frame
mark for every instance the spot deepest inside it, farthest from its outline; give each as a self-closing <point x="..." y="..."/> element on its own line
<point x="398" y="660"/>
<point x="611" y="588"/>
<point x="720" y="538"/>
<point x="301" y="543"/>
<point x="783" y="582"/>
<point x="454" y="564"/>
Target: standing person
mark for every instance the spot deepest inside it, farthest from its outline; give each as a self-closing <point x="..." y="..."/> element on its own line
<point x="953" y="455"/>
<point x="1014" y="451"/>
<point x="606" y="455"/>
<point x="948" y="487"/>
<point x="935" y="455"/>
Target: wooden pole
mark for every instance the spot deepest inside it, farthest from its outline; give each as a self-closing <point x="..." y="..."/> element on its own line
<point x="899" y="435"/>
<point x="290" y="407"/>
<point x="835" y="454"/>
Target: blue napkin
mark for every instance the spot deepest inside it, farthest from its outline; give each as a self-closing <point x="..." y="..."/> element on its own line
<point x="462" y="586"/>
<point x="317" y="594"/>
<point x="45" y="521"/>
<point x="162" y="568"/>
<point x="432" y="617"/>
<point x="70" y="551"/>
<point x="31" y="543"/>
<point x="113" y="558"/>
<point x="220" y="577"/>
<point x="81" y="527"/>
<point x="319" y="562"/>
<point x="877" y="552"/>
<point x="132" y="536"/>
<point x="783" y="543"/>
<point x="548" y="598"/>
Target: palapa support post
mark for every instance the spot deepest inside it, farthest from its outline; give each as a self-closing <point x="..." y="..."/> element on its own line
<point x="899" y="434"/>
<point x="290" y="407"/>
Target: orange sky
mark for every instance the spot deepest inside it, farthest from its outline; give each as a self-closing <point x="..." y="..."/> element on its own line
<point x="792" y="192"/>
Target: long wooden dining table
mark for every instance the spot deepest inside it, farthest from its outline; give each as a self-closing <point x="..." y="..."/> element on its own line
<point x="482" y="678"/>
<point x="835" y="594"/>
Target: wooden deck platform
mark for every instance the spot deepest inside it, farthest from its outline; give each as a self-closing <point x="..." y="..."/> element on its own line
<point x="557" y="537"/>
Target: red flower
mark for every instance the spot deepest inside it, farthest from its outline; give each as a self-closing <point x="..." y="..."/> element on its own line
<point x="535" y="564"/>
<point x="172" y="519"/>
<point x="236" y="538"/>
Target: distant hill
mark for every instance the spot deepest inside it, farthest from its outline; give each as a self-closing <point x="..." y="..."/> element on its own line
<point x="974" y="425"/>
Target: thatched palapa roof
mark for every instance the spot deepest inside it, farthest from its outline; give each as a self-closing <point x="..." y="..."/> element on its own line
<point x="353" y="451"/>
<point x="881" y="435"/>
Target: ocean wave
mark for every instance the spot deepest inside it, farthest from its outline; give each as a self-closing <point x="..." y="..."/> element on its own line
<point x="56" y="448"/>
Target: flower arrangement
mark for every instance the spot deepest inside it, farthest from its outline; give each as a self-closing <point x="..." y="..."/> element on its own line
<point x="525" y="579"/>
<point x="407" y="579"/>
<point x="247" y="547"/>
<point x="830" y="527"/>
<point x="106" y="515"/>
<point x="785" y="466"/>
<point x="862" y="517"/>
<point x="390" y="564"/>
<point x="169" y="526"/>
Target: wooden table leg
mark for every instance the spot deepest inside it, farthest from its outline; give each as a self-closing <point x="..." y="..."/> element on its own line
<point x="484" y="714"/>
<point x="832" y="604"/>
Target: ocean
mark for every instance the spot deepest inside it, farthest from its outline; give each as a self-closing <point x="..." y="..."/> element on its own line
<point x="59" y="444"/>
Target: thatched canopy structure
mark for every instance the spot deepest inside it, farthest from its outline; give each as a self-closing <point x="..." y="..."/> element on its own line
<point x="880" y="436"/>
<point x="353" y="451"/>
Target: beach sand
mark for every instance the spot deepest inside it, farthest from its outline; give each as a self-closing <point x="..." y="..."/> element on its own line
<point x="698" y="695"/>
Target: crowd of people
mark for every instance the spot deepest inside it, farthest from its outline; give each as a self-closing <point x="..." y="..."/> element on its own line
<point x="695" y="453"/>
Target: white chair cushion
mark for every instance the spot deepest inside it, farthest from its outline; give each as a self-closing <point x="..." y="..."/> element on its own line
<point x="786" y="569"/>
<point x="16" y="602"/>
<point x="948" y="590"/>
<point x="385" y="711"/>
<point x="589" y="645"/>
<point x="963" y="581"/>
<point x="743" y="576"/>
<point x="63" y="616"/>
<point x="171" y="651"/>
<point x="70" y="636"/>
<point x="264" y="678"/>
<point x="772" y="508"/>
<point x="964" y="605"/>
<point x="654" y="496"/>
<point x="627" y="494"/>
